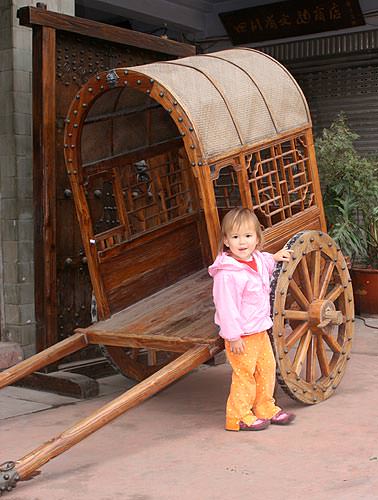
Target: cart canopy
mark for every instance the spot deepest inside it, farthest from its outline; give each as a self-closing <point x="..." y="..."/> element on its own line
<point x="234" y="98"/>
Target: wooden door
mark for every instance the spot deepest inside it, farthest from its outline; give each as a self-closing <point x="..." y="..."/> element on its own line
<point x="66" y="52"/>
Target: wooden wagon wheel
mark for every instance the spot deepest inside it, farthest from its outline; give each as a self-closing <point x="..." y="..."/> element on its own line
<point x="313" y="317"/>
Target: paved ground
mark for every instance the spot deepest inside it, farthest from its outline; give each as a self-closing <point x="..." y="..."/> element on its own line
<point x="173" y="446"/>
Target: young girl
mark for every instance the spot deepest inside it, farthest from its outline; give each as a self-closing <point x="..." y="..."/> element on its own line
<point x="241" y="296"/>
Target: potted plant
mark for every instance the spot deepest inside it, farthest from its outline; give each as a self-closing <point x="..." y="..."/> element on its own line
<point x="350" y="194"/>
<point x="365" y="273"/>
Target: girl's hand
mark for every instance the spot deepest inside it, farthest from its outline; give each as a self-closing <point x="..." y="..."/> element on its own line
<point x="237" y="346"/>
<point x="282" y="255"/>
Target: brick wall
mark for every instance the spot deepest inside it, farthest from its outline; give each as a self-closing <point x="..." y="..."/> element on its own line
<point x="17" y="323"/>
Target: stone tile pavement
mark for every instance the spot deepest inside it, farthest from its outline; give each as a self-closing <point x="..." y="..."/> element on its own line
<point x="173" y="446"/>
<point x="16" y="401"/>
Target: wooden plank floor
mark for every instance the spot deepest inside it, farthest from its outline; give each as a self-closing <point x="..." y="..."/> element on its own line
<point x="180" y="314"/>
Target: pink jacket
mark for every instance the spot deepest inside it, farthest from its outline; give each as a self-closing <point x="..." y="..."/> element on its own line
<point x="241" y="295"/>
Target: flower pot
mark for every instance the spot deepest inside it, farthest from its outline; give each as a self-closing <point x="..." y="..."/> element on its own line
<point x="365" y="289"/>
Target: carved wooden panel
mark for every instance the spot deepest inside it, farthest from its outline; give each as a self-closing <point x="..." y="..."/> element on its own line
<point x="154" y="192"/>
<point x="279" y="178"/>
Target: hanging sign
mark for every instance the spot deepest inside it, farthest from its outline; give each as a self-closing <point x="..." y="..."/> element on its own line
<point x="291" y="18"/>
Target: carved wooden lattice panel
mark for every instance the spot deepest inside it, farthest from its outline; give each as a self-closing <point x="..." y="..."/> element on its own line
<point x="280" y="182"/>
<point x="279" y="179"/>
<point x="226" y="189"/>
<point x="137" y="197"/>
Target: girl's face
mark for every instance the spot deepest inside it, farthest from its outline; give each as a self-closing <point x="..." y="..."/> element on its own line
<point x="242" y="241"/>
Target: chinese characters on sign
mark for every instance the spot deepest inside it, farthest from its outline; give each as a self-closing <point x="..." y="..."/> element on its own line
<point x="291" y="18"/>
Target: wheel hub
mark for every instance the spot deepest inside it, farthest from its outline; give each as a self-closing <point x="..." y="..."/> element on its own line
<point x="322" y="314"/>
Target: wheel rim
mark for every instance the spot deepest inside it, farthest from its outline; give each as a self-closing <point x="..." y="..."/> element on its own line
<point x="313" y="317"/>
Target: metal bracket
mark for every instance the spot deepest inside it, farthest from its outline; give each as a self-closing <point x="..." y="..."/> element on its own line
<point x="8" y="476"/>
<point x="112" y="78"/>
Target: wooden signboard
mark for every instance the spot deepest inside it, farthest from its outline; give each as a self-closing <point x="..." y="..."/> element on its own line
<point x="290" y="18"/>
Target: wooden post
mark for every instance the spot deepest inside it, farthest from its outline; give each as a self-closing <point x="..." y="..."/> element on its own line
<point x="44" y="188"/>
<point x="206" y="190"/>
<point x="244" y="185"/>
<point x="315" y="178"/>
<point x="44" y="358"/>
<point x="176" y="369"/>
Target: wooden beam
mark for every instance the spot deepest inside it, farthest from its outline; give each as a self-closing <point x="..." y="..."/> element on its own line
<point x="314" y="174"/>
<point x="44" y="185"/>
<point x="161" y="342"/>
<point x="31" y="16"/>
<point x="128" y="111"/>
<point x="44" y="358"/>
<point x="206" y="188"/>
<point x="72" y="385"/>
<point x="132" y="156"/>
<point x="28" y="464"/>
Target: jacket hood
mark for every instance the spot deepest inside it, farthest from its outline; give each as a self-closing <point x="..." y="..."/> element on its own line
<point x="225" y="262"/>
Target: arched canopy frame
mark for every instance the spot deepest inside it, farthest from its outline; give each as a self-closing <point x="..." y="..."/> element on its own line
<point x="75" y="121"/>
<point x="119" y="78"/>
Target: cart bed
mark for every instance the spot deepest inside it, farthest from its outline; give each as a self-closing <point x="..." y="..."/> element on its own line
<point x="173" y="319"/>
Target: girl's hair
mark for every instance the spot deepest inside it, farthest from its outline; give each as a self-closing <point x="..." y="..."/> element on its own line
<point x="234" y="219"/>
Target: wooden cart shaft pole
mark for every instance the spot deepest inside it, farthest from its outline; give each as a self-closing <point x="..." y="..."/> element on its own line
<point x="44" y="358"/>
<point x="176" y="369"/>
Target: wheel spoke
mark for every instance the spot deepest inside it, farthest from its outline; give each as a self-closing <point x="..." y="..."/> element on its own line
<point x="293" y="314"/>
<point x="335" y="293"/>
<point x="134" y="353"/>
<point x="298" y="295"/>
<point x="316" y="275"/>
<point x="289" y="300"/>
<point x="306" y="278"/>
<point x="300" y="355"/>
<point x="322" y="358"/>
<point x="296" y="334"/>
<point x="326" y="279"/>
<point x="311" y="361"/>
<point x="128" y="363"/>
<point x="151" y="357"/>
<point x="332" y="343"/>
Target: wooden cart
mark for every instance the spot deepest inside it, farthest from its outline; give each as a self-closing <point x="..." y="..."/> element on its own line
<point x="156" y="154"/>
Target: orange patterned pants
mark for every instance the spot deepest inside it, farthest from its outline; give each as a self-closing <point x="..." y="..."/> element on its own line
<point x="253" y="380"/>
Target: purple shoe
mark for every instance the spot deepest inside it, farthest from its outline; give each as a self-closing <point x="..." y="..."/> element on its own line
<point x="282" y="418"/>
<point x="258" y="425"/>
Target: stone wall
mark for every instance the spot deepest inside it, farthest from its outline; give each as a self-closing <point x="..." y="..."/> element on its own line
<point x="17" y="322"/>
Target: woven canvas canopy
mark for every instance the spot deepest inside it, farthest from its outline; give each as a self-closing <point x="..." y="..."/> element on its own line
<point x="234" y="98"/>
<point x="219" y="104"/>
